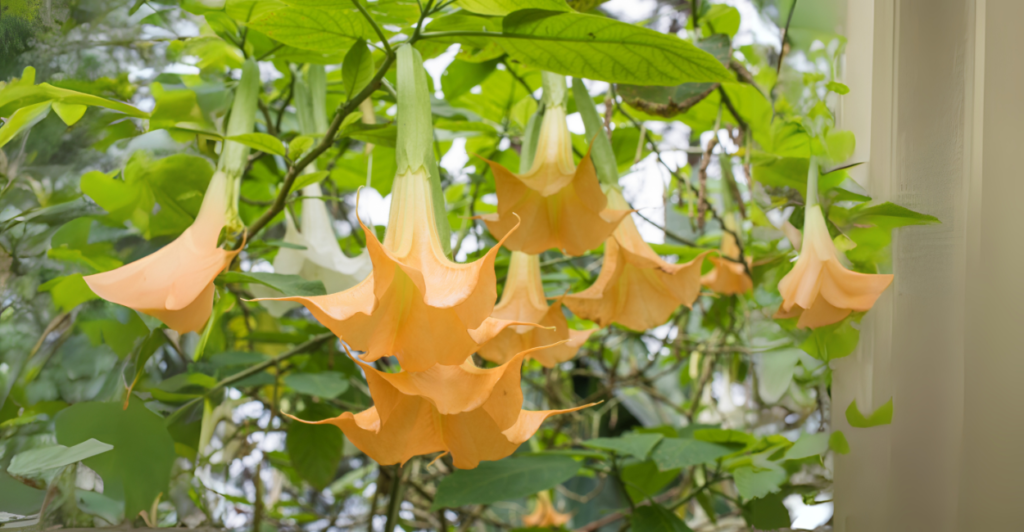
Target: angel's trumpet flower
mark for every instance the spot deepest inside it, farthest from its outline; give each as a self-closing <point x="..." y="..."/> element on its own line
<point x="175" y="284"/>
<point x="475" y="414"/>
<point x="417" y="304"/>
<point x="523" y="301"/>
<point x="819" y="289"/>
<point x="636" y="288"/>
<point x="561" y="205"/>
<point x="544" y="514"/>
<point x="728" y="277"/>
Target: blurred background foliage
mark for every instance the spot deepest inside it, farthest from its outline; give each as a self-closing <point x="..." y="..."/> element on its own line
<point x="717" y="420"/>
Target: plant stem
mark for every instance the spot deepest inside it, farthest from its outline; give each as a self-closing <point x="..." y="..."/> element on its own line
<point x="395" y="504"/>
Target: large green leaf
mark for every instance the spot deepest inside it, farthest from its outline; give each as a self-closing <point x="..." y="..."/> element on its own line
<point x="506" y="479"/>
<point x="767" y="513"/>
<point x="594" y="47"/>
<point x="326" y="384"/>
<point x="18" y="95"/>
<point x="18" y="498"/>
<point x="756" y="482"/>
<point x="139" y="466"/>
<point x="35" y="461"/>
<point x="315" y="450"/>
<point x="289" y="285"/>
<point x="657" y="518"/>
<point x="328" y="30"/>
<point x="882" y="416"/>
<point x="504" y="7"/>
<point x="636" y="445"/>
<point x="670" y="101"/>
<point x="674" y="453"/>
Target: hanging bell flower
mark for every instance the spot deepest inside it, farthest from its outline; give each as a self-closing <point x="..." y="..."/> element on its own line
<point x="819" y="289"/>
<point x="417" y="305"/>
<point x="561" y="205"/>
<point x="544" y="514"/>
<point x="523" y="300"/>
<point x="473" y="413"/>
<point x="728" y="276"/>
<point x="175" y="284"/>
<point x="636" y="288"/>
<point x="317" y="255"/>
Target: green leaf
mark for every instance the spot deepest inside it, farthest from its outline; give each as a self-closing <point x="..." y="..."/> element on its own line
<point x="326" y="30"/>
<point x="68" y="292"/>
<point x="507" y="479"/>
<point x="315" y="450"/>
<point x="17" y="96"/>
<point x="36" y="461"/>
<point x="358" y="68"/>
<point x="643" y="480"/>
<point x="307" y="179"/>
<point x="139" y="466"/>
<point x="461" y="76"/>
<point x="23" y="119"/>
<point x="768" y="513"/>
<point x="504" y="7"/>
<point x="808" y="445"/>
<point x="726" y="436"/>
<point x="121" y="337"/>
<point x="299" y="145"/>
<point x="882" y="416"/>
<point x="289" y="285"/>
<point x="261" y="141"/>
<point x="675" y="453"/>
<point x="326" y="384"/>
<point x="377" y="134"/>
<point x="18" y="498"/>
<point x="720" y="19"/>
<point x="832" y="341"/>
<point x="837" y="87"/>
<point x="594" y="47"/>
<point x="70" y="113"/>
<point x="657" y="518"/>
<point x="636" y="445"/>
<point x="600" y="147"/>
<point x="837" y="442"/>
<point x="754" y="483"/>
<point x="670" y="101"/>
<point x="889" y="215"/>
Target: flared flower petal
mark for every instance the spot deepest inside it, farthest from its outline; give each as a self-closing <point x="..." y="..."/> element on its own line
<point x="819" y="288"/>
<point x="524" y="300"/>
<point x="544" y="514"/>
<point x="175" y="284"/>
<point x="636" y="288"/>
<point x="561" y="206"/>
<point x="728" y="277"/>
<point x="321" y="258"/>
<point x="473" y="413"/>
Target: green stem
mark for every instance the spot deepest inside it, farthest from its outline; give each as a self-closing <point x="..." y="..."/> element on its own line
<point x="376" y="27"/>
<point x="555" y="91"/>
<point x="395" y="504"/>
<point x="812" y="184"/>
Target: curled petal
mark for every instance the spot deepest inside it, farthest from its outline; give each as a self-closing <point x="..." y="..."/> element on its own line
<point x="727" y="277"/>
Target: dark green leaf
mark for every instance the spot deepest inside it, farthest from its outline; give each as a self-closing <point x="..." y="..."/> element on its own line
<point x="594" y="47"/>
<point x="18" y="498"/>
<point x="315" y="450"/>
<point x="657" y="518"/>
<point x="636" y="445"/>
<point x="675" y="453"/>
<point x="289" y="285"/>
<point x="327" y="384"/>
<point x="503" y="480"/>
<point x="767" y="513"/>
<point x="461" y="76"/>
<point x="139" y="466"/>
<point x="643" y="480"/>
<point x="358" y="69"/>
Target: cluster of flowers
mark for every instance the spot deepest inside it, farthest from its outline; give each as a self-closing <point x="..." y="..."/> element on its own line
<point x="432" y="314"/>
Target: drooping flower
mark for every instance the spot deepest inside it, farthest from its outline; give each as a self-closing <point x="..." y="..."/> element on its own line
<point x="636" y="288"/>
<point x="819" y="289"/>
<point x="560" y="205"/>
<point x="417" y="304"/>
<point x="544" y="514"/>
<point x="321" y="260"/>
<point x="728" y="277"/>
<point x="473" y="413"/>
<point x="175" y="284"/>
<point x="523" y="301"/>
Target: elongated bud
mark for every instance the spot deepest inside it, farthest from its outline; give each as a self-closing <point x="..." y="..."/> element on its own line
<point x="812" y="184"/>
<point x="234" y="155"/>
<point x="414" y="152"/>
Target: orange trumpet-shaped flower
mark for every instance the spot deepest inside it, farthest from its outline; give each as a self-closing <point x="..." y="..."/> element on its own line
<point x="523" y="301"/>
<point x="544" y="514"/>
<point x="175" y="284"/>
<point x="819" y="289"/>
<point x="417" y="305"/>
<point x="473" y="413"/>
<point x="636" y="288"/>
<point x="728" y="277"/>
<point x="561" y="206"/>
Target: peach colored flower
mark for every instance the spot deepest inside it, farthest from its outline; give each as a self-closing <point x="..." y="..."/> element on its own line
<point x="819" y="289"/>
<point x="561" y="206"/>
<point x="728" y="277"/>
<point x="636" y="288"/>
<point x="544" y="514"/>
<point x="473" y="413"/>
<point x="417" y="304"/>
<point x="523" y="301"/>
<point x="175" y="284"/>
